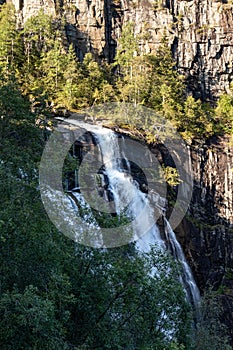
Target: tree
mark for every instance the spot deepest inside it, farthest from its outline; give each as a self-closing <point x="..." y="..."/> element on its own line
<point x="167" y="88"/>
<point x="127" y="308"/>
<point x="134" y="87"/>
<point x="151" y="80"/>
<point x="68" y="92"/>
<point x="133" y="79"/>
<point x="224" y="113"/>
<point x="29" y="321"/>
<point x="56" y="294"/>
<point x="127" y="48"/>
<point x="40" y="34"/>
<point x="52" y="70"/>
<point x="11" y="51"/>
<point x="197" y="120"/>
<point x="31" y="316"/>
<point x="92" y="83"/>
<point x="210" y="333"/>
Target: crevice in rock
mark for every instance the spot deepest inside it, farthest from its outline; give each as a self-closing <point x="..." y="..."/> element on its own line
<point x="219" y="53"/>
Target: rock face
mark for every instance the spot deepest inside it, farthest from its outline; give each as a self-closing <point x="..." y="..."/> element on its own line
<point x="210" y="217"/>
<point x="200" y="33"/>
<point x="206" y="233"/>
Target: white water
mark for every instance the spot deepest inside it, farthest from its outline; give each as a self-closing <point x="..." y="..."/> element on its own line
<point x="126" y="194"/>
<point x="190" y="287"/>
<point x="126" y="191"/>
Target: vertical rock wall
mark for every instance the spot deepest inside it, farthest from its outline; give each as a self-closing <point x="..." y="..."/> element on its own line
<point x="206" y="233"/>
<point x="211" y="213"/>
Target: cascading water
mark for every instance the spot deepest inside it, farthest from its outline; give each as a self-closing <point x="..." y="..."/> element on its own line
<point x="125" y="190"/>
<point x="192" y="292"/>
<point x="128" y="198"/>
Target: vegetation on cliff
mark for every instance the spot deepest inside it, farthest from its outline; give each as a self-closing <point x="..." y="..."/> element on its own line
<point x="49" y="74"/>
<point x="54" y="293"/>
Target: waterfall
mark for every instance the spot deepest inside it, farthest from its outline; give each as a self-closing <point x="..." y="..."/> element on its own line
<point x="125" y="190"/>
<point x="128" y="198"/>
<point x="190" y="287"/>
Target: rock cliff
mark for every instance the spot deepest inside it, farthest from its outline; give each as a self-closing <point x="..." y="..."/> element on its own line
<point x="200" y="33"/>
<point x="207" y="231"/>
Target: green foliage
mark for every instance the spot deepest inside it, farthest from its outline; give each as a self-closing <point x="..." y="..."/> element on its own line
<point x="210" y="333"/>
<point x="171" y="176"/>
<point x="68" y="91"/>
<point x="31" y="319"/>
<point x="167" y="92"/>
<point x="126" y="302"/>
<point x="127" y="48"/>
<point x="52" y="75"/>
<point x="93" y="85"/>
<point x="152" y="80"/>
<point x="197" y="120"/>
<point x="52" y="70"/>
<point x="39" y="34"/>
<point x="11" y="50"/>
<point x="133" y="80"/>
<point x="134" y="87"/>
<point x="224" y="113"/>
<point x="12" y="105"/>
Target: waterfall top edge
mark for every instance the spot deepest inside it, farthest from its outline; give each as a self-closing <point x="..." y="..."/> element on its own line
<point x="89" y="127"/>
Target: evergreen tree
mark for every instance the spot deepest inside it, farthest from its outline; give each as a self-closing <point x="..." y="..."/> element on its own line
<point x="52" y="70"/>
<point x="167" y="87"/>
<point x="127" y="48"/>
<point x="224" y="113"/>
<point x="11" y="51"/>
<point x="39" y="35"/>
<point x="133" y="77"/>
<point x="197" y="120"/>
<point x="93" y="86"/>
<point x="135" y="86"/>
<point x="55" y="294"/>
<point x="68" y="92"/>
